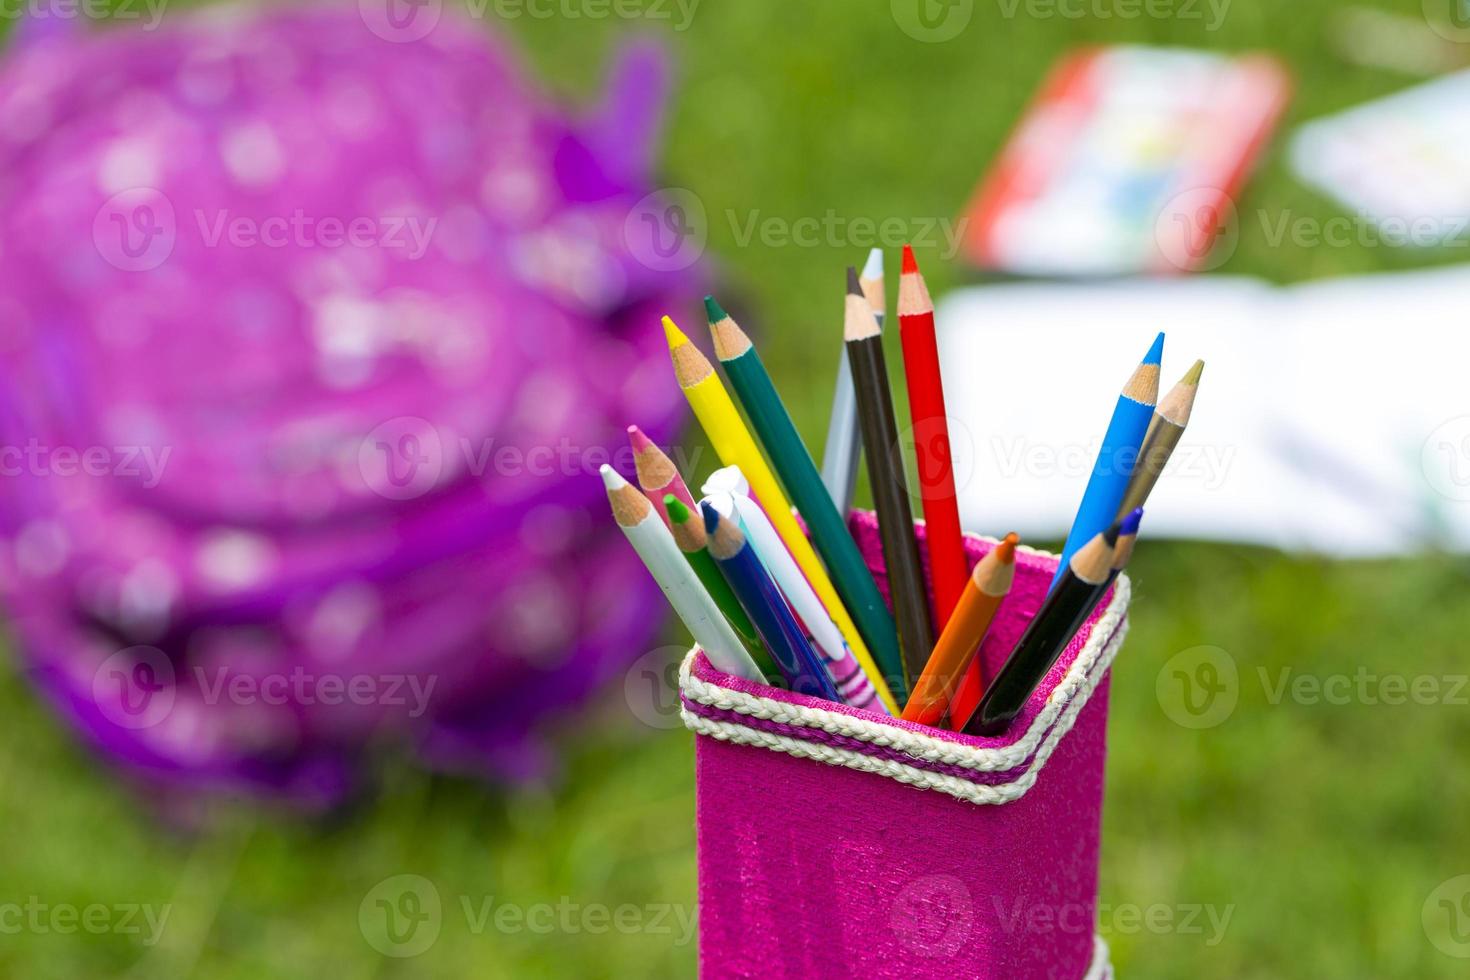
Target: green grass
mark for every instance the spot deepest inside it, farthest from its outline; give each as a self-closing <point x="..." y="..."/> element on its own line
<point x="1321" y="828"/>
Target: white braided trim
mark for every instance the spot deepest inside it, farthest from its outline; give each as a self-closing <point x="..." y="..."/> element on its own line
<point x="1102" y="965"/>
<point x="1069" y="696"/>
<point x="955" y="786"/>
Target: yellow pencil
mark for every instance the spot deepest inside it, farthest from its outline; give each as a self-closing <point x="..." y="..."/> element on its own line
<point x="735" y="447"/>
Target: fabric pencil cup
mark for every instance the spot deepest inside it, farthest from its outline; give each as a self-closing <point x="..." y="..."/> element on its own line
<point x="835" y="842"/>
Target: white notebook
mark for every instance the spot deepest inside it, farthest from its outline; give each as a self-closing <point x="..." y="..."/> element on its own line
<point x="1333" y="416"/>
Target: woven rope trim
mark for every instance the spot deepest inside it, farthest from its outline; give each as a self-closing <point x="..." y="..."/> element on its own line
<point x="1063" y="704"/>
<point x="1102" y="965"/>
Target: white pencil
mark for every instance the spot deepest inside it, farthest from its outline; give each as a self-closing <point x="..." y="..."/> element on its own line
<point x="840" y="454"/>
<point x="690" y="599"/>
<point x="729" y="493"/>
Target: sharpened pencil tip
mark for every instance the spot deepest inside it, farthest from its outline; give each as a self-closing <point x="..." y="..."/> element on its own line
<point x="910" y="264"/>
<point x="714" y="311"/>
<point x="678" y="512"/>
<point x="711" y="516"/>
<point x="1005" y="552"/>
<point x="1155" y="353"/>
<point x="874" y="267"/>
<point x="854" y="286"/>
<point x="1131" y="522"/>
<point x="611" y="478"/>
<point x="1192" y="378"/>
<point x="638" y="440"/>
<point x="673" y="334"/>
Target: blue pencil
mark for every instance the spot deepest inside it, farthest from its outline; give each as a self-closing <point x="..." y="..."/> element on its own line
<point x="1117" y="457"/>
<point x="763" y="603"/>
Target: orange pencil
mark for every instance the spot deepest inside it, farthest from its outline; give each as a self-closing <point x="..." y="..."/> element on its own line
<point x="954" y="654"/>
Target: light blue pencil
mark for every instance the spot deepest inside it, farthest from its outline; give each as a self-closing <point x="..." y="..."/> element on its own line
<point x="844" y="444"/>
<point x="1117" y="457"/>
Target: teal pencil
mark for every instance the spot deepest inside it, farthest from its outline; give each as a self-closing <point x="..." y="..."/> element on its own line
<point x="1117" y="457"/>
<point x="798" y="474"/>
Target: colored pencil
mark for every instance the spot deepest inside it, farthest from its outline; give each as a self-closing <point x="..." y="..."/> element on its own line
<point x="753" y="586"/>
<point x="657" y="474"/>
<point x="735" y="446"/>
<point x="1047" y="635"/>
<point x="1168" y="425"/>
<point x="884" y="457"/>
<point x="852" y="684"/>
<point x="798" y="474"/>
<point x="688" y="529"/>
<point x="933" y="454"/>
<point x="844" y="443"/>
<point x="1115" y="460"/>
<point x="655" y="545"/>
<point x="954" y="654"/>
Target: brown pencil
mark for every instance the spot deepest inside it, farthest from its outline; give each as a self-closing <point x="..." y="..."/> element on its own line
<point x="884" y="457"/>
<point x="1164" y="431"/>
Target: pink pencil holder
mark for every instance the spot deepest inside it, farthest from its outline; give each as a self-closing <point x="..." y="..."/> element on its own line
<point x="841" y="843"/>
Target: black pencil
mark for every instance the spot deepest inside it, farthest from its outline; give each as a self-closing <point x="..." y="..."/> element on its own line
<point x="884" y="457"/>
<point x="1060" y="616"/>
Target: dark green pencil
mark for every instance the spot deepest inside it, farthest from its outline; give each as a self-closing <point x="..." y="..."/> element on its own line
<point x="798" y="474"/>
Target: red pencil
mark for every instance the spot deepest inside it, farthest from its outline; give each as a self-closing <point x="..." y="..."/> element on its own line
<point x="947" y="564"/>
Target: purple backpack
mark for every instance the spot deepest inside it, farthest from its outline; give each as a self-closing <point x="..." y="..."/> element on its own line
<point x="311" y="344"/>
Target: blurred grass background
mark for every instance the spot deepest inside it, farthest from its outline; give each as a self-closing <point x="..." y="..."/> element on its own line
<point x="1321" y="829"/>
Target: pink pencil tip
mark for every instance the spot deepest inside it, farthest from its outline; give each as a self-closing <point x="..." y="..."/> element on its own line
<point x="910" y="264"/>
<point x="639" y="441"/>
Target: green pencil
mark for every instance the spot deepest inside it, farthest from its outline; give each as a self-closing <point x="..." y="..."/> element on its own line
<point x="692" y="541"/>
<point x="798" y="474"/>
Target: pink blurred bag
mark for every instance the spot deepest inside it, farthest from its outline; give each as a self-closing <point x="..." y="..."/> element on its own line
<point x="838" y="843"/>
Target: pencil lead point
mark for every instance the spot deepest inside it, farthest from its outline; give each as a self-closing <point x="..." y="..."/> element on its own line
<point x="1155" y="353"/>
<point x="714" y="311"/>
<point x="673" y="334"/>
<point x="1131" y="522"/>
<point x="874" y="267"/>
<point x="711" y="516"/>
<point x="1192" y="378"/>
<point x="1006" y="550"/>
<point x="678" y="511"/>
<point x="910" y="264"/>
<point x="854" y="287"/>
<point x="611" y="478"/>
<point x="638" y="440"/>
